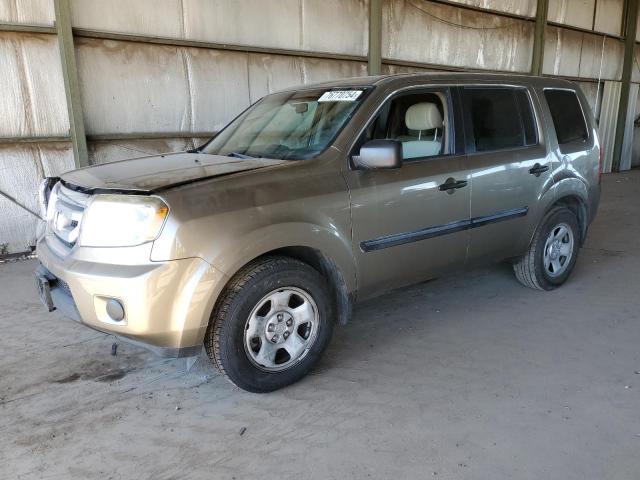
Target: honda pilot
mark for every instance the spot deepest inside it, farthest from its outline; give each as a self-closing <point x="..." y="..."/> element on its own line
<point x="257" y="243"/>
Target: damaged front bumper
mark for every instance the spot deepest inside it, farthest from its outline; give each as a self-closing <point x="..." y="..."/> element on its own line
<point x="165" y="305"/>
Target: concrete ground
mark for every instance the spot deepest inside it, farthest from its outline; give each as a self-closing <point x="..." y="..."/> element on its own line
<point x="469" y="377"/>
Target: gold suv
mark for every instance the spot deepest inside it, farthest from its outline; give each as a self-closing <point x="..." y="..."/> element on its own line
<point x="257" y="243"/>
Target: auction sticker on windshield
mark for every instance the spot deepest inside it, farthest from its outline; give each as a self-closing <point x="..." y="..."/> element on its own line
<point x="340" y="96"/>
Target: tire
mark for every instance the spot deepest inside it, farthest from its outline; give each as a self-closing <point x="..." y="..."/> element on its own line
<point x="272" y="294"/>
<point x="532" y="269"/>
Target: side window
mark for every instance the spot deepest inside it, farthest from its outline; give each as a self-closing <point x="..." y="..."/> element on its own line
<point x="501" y="117"/>
<point x="527" y="116"/>
<point x="418" y="120"/>
<point x="567" y="116"/>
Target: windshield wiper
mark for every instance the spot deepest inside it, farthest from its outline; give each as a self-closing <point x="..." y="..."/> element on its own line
<point x="239" y="155"/>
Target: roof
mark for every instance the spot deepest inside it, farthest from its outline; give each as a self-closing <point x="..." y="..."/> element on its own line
<point x="390" y="80"/>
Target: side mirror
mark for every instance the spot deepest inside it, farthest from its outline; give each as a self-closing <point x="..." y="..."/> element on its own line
<point x="377" y="154"/>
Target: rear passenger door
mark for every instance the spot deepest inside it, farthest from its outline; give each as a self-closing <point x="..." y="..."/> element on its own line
<point x="509" y="169"/>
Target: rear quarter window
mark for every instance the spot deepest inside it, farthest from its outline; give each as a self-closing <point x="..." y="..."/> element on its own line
<point x="568" y="117"/>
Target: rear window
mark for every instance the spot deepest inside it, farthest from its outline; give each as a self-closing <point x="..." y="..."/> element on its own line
<point x="501" y="117"/>
<point x="567" y="116"/>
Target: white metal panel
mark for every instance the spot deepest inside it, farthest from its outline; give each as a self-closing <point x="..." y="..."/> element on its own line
<point x="30" y="163"/>
<point x="219" y="87"/>
<point x="111" y="151"/>
<point x="319" y="70"/>
<point x="608" y="117"/>
<point x="608" y="120"/>
<point x="129" y="87"/>
<point x="140" y="88"/>
<point x="519" y="7"/>
<point x="609" y="16"/>
<point x="574" y="54"/>
<point x="275" y="23"/>
<point x="424" y="32"/>
<point x="578" y="13"/>
<point x="336" y="26"/>
<point x="590" y="90"/>
<point x="595" y="52"/>
<point x="17" y="228"/>
<point x="293" y="24"/>
<point x="21" y="169"/>
<point x="399" y="69"/>
<point x="141" y="17"/>
<point x="635" y="70"/>
<point x="56" y="158"/>
<point x="34" y="12"/>
<point x="271" y="73"/>
<point x="562" y="52"/>
<point x="32" y="101"/>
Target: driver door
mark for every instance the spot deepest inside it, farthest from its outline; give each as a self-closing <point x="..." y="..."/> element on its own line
<point x="410" y="223"/>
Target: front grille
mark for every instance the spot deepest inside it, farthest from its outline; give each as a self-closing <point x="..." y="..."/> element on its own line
<point x="67" y="209"/>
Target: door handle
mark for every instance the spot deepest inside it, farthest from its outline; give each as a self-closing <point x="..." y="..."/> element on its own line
<point x="538" y="169"/>
<point x="451" y="185"/>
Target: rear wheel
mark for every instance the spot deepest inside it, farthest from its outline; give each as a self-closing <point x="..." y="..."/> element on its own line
<point x="271" y="324"/>
<point x="553" y="251"/>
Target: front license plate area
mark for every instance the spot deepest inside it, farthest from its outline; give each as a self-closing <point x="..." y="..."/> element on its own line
<point x="44" y="292"/>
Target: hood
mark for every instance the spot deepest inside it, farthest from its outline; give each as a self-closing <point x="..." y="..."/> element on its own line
<point x="151" y="174"/>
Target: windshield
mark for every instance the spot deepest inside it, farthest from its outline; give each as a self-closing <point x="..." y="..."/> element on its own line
<point x="288" y="125"/>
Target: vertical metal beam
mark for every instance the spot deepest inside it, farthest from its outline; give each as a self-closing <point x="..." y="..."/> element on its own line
<point x="71" y="83"/>
<point x="537" y="57"/>
<point x="631" y="18"/>
<point x="374" y="56"/>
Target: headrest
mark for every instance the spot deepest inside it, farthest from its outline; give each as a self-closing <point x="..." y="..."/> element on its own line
<point x="423" y="116"/>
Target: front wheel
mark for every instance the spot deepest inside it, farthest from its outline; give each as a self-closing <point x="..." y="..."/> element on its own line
<point x="553" y="251"/>
<point x="271" y="324"/>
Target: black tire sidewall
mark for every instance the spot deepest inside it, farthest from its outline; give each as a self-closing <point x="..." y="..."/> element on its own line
<point x="232" y="353"/>
<point x="561" y="215"/>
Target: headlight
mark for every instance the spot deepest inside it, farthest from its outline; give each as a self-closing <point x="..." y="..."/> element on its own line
<point x="122" y="221"/>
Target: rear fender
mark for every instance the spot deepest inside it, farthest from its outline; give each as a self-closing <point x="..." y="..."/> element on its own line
<point x="568" y="188"/>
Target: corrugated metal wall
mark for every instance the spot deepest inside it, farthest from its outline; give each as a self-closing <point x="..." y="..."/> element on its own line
<point x="419" y="31"/>
<point x="158" y="75"/>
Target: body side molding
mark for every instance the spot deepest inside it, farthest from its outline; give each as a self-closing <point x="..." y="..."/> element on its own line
<point x="396" y="239"/>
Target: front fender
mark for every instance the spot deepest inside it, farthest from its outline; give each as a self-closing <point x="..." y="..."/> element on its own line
<point x="232" y="256"/>
<point x="229" y="249"/>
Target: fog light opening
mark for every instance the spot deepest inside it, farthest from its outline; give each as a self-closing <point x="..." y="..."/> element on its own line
<point x="115" y="310"/>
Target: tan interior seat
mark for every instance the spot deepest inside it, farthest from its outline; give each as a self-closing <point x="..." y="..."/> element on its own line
<point x="422" y="118"/>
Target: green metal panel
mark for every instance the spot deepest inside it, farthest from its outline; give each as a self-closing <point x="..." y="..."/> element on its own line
<point x="631" y="17"/>
<point x="374" y="57"/>
<point x="27" y="28"/>
<point x="71" y="83"/>
<point x="538" y="39"/>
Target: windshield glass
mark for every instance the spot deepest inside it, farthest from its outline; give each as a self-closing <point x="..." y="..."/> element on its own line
<point x="288" y="125"/>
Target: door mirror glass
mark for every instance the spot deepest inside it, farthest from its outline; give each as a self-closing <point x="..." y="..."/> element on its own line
<point x="377" y="154"/>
